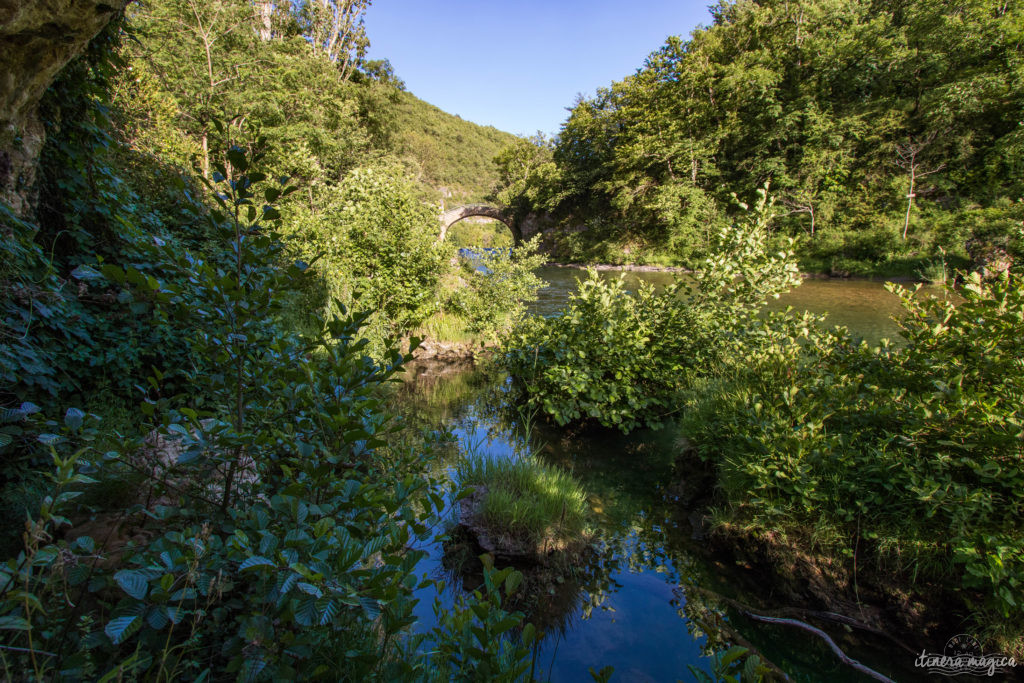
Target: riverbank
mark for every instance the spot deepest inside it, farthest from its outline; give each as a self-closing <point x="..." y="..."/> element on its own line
<point x="442" y="351"/>
<point x="666" y="576"/>
<point x="640" y="268"/>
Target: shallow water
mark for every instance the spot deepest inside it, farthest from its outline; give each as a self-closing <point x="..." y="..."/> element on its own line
<point x="649" y="604"/>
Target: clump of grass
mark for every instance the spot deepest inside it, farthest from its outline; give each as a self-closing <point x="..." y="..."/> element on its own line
<point x="523" y="506"/>
<point x="935" y="271"/>
<point x="446" y="327"/>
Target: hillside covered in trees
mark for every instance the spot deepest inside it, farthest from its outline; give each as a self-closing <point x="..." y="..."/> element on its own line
<point x="449" y="152"/>
<point x="890" y="133"/>
<point x="189" y="62"/>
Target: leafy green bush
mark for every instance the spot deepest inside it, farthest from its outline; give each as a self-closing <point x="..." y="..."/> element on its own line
<point x="65" y="331"/>
<point x="620" y="358"/>
<point x="496" y="286"/>
<point x="283" y="533"/>
<point x="376" y="242"/>
<point x="911" y="453"/>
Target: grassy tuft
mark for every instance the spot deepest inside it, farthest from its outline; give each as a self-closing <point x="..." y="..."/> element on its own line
<point x="446" y="327"/>
<point x="525" y="505"/>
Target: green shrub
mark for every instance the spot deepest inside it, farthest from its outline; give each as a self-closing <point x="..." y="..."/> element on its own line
<point x="286" y="518"/>
<point x="620" y="358"/>
<point x="376" y="243"/>
<point x="911" y="453"/>
<point x="496" y="286"/>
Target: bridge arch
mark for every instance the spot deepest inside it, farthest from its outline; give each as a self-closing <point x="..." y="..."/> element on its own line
<point x="453" y="216"/>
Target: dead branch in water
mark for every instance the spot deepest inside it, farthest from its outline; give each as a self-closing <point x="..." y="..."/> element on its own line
<point x="852" y="663"/>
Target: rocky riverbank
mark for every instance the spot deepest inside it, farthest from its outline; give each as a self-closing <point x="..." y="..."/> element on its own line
<point x="452" y="352"/>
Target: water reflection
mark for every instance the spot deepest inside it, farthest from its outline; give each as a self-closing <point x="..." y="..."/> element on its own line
<point x="654" y="598"/>
<point x="865" y="307"/>
<point x="647" y="601"/>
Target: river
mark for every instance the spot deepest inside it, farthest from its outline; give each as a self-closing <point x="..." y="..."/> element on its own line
<point x="650" y="603"/>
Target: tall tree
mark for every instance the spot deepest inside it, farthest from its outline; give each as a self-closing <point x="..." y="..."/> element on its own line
<point x="337" y="30"/>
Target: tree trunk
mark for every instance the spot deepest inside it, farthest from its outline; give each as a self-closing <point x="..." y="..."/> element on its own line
<point x="910" y="202"/>
<point x="264" y="13"/>
<point x="206" y="154"/>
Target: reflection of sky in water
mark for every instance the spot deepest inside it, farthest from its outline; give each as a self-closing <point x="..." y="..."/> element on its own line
<point x="636" y="629"/>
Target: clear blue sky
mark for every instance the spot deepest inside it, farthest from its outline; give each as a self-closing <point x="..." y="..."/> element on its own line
<point x="518" y="65"/>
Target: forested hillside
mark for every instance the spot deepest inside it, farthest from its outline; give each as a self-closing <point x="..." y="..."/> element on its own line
<point x="891" y="134"/>
<point x="448" y="151"/>
<point x="321" y="120"/>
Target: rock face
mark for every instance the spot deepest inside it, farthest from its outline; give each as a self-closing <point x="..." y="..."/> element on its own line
<point x="37" y="38"/>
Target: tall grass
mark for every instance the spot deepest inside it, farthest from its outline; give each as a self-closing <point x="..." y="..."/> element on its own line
<point x="527" y="503"/>
<point x="446" y="327"/>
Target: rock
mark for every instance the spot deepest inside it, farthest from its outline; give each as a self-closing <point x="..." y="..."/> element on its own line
<point x="505" y="546"/>
<point x="37" y="39"/>
<point x="159" y="460"/>
<point x="989" y="259"/>
<point x="449" y="352"/>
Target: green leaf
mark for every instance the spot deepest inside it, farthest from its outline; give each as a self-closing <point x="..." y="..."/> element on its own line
<point x="132" y="582"/>
<point x="512" y="582"/>
<point x="237" y="158"/>
<point x="157" y="618"/>
<point x="73" y="418"/>
<point x="255" y="561"/>
<point x="86" y="273"/>
<point x="121" y="628"/>
<point x="309" y="589"/>
<point x="13" y="623"/>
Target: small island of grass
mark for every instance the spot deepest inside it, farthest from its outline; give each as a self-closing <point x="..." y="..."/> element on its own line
<point x="523" y="508"/>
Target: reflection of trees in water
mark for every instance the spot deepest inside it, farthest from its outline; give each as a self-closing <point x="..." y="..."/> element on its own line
<point x="433" y="395"/>
<point x="633" y="484"/>
<point x="552" y="592"/>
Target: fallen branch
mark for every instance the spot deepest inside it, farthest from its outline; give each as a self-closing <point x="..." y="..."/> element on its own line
<point x="734" y="637"/>
<point x="808" y="614"/>
<point x="852" y="663"/>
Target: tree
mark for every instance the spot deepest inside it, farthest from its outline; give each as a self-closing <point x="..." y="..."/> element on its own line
<point x="336" y="29"/>
<point x="909" y="157"/>
<point x="525" y="173"/>
<point x="199" y="49"/>
<point x="381" y="71"/>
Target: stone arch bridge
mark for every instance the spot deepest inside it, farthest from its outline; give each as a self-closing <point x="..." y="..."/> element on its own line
<point x="521" y="229"/>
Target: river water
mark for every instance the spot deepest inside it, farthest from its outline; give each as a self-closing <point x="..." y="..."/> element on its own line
<point x="651" y="603"/>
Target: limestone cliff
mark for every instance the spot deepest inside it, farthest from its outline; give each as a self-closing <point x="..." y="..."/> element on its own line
<point x="37" y="38"/>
